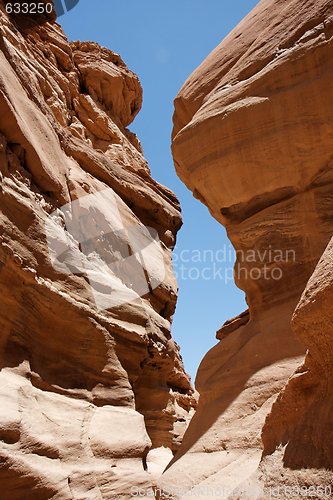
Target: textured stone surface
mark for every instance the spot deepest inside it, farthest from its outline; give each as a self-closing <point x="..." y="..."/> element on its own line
<point x="253" y="140"/>
<point x="86" y="391"/>
<point x="301" y="419"/>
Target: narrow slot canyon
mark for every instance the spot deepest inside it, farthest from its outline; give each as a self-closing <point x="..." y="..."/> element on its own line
<point x="95" y="401"/>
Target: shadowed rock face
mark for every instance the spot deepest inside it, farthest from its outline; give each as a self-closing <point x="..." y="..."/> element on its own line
<point x="85" y="391"/>
<point x="253" y="140"/>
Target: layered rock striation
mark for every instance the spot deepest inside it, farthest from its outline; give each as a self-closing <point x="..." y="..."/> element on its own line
<point x="91" y="379"/>
<point x="253" y="140"/>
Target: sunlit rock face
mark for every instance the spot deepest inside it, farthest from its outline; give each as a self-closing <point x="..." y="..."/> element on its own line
<point x="91" y="379"/>
<point x="253" y="140"/>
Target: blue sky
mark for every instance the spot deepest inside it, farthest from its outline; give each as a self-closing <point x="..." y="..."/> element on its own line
<point x="163" y="42"/>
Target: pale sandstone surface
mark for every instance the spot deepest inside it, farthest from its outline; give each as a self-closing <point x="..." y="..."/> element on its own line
<point x="253" y="140"/>
<point x="301" y="419"/>
<point x="86" y="391"/>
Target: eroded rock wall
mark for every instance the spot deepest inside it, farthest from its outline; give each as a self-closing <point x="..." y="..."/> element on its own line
<point x="253" y="140"/>
<point x="86" y="389"/>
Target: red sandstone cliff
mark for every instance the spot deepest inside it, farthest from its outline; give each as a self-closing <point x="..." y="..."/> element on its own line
<point x="86" y="390"/>
<point x="253" y="140"/>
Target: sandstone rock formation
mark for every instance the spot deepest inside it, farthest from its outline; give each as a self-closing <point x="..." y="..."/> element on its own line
<point x="87" y="386"/>
<point x="253" y="140"/>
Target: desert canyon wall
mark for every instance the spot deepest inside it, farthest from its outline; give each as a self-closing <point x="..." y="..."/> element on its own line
<point x="87" y="388"/>
<point x="253" y="140"/>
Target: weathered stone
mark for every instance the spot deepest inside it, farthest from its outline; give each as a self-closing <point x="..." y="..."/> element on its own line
<point x="87" y="390"/>
<point x="253" y="129"/>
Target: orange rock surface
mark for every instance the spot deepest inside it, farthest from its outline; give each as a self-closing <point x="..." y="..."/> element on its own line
<point x="93" y="399"/>
<point x="253" y="137"/>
